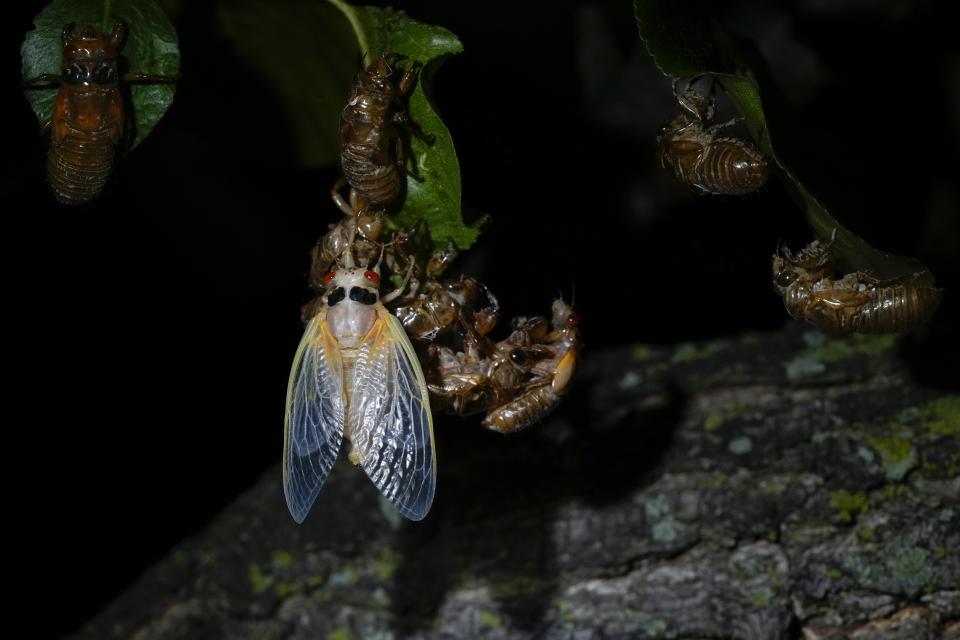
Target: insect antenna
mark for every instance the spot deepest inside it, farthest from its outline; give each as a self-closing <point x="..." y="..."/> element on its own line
<point x="781" y="248"/>
<point x="348" y="260"/>
<point x="383" y="250"/>
<point x="833" y="238"/>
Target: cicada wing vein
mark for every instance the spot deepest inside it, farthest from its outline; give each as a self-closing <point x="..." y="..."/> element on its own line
<point x="391" y="426"/>
<point x="313" y="424"/>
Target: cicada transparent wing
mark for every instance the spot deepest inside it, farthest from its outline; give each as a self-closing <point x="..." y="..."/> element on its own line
<point x="391" y="427"/>
<point x="313" y="425"/>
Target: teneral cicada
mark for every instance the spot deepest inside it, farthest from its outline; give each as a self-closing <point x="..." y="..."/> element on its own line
<point x="356" y="376"/>
<point x="691" y="146"/>
<point x="372" y="153"/>
<point x="855" y="303"/>
<point x="88" y="120"/>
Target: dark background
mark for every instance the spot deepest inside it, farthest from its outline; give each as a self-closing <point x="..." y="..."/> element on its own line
<point x="152" y="331"/>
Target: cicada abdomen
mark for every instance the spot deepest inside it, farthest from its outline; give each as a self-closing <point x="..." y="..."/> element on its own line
<point x="88" y="115"/>
<point x="730" y="167"/>
<point x="896" y="308"/>
<point x="855" y="303"/>
<point x="691" y="147"/>
<point x="372" y="153"/>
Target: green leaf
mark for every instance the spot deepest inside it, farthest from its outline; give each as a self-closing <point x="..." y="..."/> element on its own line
<point x="150" y="47"/>
<point x="436" y="200"/>
<point x="306" y="53"/>
<point x="683" y="42"/>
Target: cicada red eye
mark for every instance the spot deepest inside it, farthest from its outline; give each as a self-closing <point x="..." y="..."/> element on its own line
<point x="329" y="277"/>
<point x="372" y="276"/>
<point x="573" y="320"/>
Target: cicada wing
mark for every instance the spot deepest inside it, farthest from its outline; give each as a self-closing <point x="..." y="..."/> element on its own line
<point x="313" y="424"/>
<point x="391" y="426"/>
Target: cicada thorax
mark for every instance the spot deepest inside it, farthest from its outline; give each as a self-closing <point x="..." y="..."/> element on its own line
<point x="88" y="115"/>
<point x="691" y="147"/>
<point x="351" y="307"/>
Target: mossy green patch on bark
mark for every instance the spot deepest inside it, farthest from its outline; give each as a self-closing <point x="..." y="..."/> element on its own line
<point x="836" y="350"/>
<point x="282" y="559"/>
<point x="849" y="505"/>
<point x="386" y="564"/>
<point x="259" y="582"/>
<point x="898" y="455"/>
<point x="490" y="621"/>
<point x="340" y="633"/>
<point x="942" y="416"/>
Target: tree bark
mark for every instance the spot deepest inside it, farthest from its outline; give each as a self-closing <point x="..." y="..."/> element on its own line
<point x="785" y="485"/>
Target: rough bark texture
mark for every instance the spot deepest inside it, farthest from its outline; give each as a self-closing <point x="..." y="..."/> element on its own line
<point x="788" y="485"/>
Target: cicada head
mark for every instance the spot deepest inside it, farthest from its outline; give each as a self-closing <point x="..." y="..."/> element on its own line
<point x="701" y="107"/>
<point x="359" y="283"/>
<point x="90" y="57"/>
<point x="377" y="74"/>
<point x="812" y="263"/>
<point x="784" y="271"/>
<point x="564" y="318"/>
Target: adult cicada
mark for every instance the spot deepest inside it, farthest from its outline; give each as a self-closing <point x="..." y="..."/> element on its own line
<point x="356" y="376"/>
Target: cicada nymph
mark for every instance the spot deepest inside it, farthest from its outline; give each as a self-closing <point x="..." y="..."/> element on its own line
<point x="372" y="151"/>
<point x="481" y="376"/>
<point x="692" y="147"/>
<point x="362" y="232"/>
<point x="549" y="376"/>
<point x="854" y="303"/>
<point x="517" y="381"/>
<point x="356" y="376"/>
<point x="89" y="119"/>
<point x="440" y="306"/>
